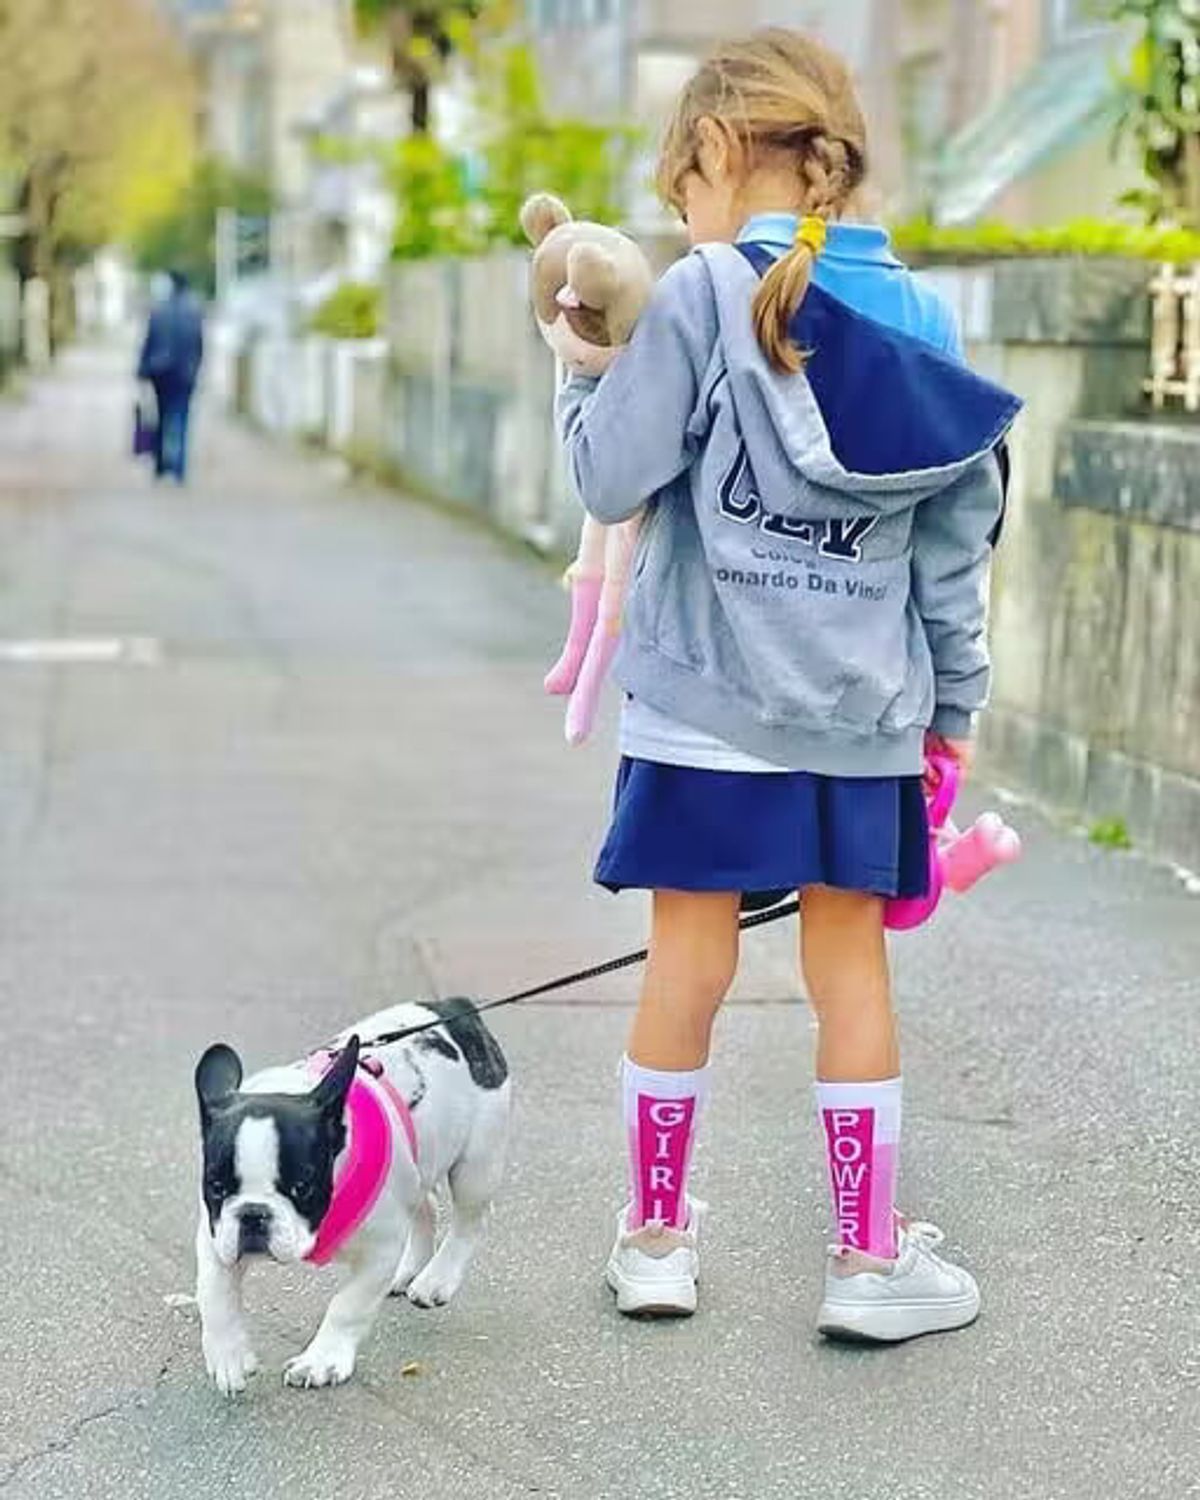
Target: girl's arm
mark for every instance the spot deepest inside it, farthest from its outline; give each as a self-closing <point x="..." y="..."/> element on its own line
<point x="629" y="434"/>
<point x="952" y="554"/>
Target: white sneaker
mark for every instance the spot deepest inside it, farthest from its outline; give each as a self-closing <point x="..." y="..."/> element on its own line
<point x="654" y="1269"/>
<point x="884" y="1301"/>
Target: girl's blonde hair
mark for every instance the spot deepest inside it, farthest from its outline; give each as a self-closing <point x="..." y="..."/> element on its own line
<point x="783" y="98"/>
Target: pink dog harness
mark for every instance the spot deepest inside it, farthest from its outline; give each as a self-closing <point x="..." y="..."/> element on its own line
<point x="374" y="1106"/>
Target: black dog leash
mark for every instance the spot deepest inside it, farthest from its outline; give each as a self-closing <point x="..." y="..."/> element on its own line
<point x="613" y="966"/>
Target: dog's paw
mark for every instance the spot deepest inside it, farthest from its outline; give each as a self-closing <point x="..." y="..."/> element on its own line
<point x="328" y="1362"/>
<point x="410" y="1271"/>
<point x="230" y="1364"/>
<point x="434" y="1287"/>
<point x="404" y="1279"/>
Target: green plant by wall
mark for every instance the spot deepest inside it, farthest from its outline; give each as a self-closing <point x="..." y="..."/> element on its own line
<point x="353" y="311"/>
<point x="433" y="207"/>
<point x="920" y="238"/>
<point x="525" y="150"/>
<point x="1161" y="106"/>
<point x="463" y="202"/>
<point x="1110" y="833"/>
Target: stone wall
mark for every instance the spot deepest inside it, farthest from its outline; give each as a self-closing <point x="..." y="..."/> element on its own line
<point x="10" y="316"/>
<point x="1096" y="605"/>
<point x="468" y="409"/>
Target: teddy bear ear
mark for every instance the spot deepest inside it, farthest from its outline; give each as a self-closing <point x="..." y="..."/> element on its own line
<point x="542" y="213"/>
<point x="592" y="275"/>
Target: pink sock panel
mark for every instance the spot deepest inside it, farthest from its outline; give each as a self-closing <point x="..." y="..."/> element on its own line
<point x="862" y="1139"/>
<point x="661" y="1113"/>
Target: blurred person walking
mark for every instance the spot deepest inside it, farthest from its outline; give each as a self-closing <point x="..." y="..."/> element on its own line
<point x="172" y="353"/>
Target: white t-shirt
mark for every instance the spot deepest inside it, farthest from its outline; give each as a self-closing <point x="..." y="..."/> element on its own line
<point x="647" y="734"/>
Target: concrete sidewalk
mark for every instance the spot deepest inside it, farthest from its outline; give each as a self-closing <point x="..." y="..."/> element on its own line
<point x="323" y="776"/>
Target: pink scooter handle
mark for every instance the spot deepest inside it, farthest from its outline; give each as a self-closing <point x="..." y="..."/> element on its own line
<point x="945" y="789"/>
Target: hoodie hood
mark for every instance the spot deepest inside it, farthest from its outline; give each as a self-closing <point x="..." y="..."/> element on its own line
<point x="877" y="415"/>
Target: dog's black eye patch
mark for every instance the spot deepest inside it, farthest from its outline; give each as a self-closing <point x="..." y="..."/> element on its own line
<point x="302" y="1190"/>
<point x="220" y="1179"/>
<point x="308" y="1147"/>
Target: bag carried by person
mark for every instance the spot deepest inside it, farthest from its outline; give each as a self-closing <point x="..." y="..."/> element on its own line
<point x="145" y="424"/>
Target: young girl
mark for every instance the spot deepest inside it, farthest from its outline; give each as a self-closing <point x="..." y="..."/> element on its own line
<point x="807" y="612"/>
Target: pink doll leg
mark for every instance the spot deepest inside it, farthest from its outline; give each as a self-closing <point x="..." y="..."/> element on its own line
<point x="585" y="700"/>
<point x="586" y="575"/>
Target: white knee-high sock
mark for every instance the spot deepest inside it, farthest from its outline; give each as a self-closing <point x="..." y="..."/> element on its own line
<point x="662" y="1110"/>
<point x="862" y="1142"/>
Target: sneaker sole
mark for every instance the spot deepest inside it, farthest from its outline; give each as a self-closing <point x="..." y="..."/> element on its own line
<point x="660" y="1299"/>
<point x="894" y="1323"/>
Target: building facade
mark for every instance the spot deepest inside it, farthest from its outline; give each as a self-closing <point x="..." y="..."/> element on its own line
<point x="998" y="108"/>
<point x="265" y="66"/>
<point x="976" y="107"/>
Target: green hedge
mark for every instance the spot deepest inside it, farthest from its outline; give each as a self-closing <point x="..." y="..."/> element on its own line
<point x="992" y="241"/>
<point x="353" y="311"/>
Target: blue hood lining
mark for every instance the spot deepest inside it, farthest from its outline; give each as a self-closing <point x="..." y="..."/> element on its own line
<point x="891" y="403"/>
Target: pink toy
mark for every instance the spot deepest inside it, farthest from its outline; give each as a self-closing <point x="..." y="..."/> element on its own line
<point x="956" y="860"/>
<point x="597" y="580"/>
<point x="588" y="283"/>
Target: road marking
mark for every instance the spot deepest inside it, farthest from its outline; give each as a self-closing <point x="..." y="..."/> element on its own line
<point x="138" y="650"/>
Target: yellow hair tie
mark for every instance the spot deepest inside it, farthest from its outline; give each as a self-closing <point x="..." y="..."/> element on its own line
<point x="812" y="232"/>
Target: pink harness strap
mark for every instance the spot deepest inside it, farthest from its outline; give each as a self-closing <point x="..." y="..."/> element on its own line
<point x="368" y="1158"/>
<point x="374" y="1067"/>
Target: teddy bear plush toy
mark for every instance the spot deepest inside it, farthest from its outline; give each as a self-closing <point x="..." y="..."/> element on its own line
<point x="588" y="283"/>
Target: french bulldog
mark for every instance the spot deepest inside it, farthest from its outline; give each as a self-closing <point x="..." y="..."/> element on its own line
<point x="338" y="1157"/>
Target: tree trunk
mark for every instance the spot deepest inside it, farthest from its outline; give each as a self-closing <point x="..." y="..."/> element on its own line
<point x="409" y="74"/>
<point x="420" y="91"/>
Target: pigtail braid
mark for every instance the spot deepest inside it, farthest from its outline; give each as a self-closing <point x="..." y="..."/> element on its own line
<point x="829" y="174"/>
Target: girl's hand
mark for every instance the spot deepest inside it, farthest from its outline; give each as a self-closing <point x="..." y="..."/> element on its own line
<point x="961" y="752"/>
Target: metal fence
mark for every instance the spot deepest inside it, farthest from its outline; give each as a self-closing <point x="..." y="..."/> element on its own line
<point x="1175" y="338"/>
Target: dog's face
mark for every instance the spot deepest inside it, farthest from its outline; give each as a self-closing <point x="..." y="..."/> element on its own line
<point x="269" y="1158"/>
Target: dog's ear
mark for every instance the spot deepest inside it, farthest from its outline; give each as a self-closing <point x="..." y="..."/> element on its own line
<point x="218" y="1077"/>
<point x="330" y="1094"/>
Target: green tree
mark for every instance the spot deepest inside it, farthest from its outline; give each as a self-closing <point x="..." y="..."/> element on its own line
<point x="423" y="35"/>
<point x="523" y="150"/>
<point x="184" y="236"/>
<point x="95" y="126"/>
<point x="1161" y="113"/>
<point x="452" y="203"/>
<point x="433" y="205"/>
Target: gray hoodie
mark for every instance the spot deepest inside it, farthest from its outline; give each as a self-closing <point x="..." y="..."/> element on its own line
<point x="811" y="581"/>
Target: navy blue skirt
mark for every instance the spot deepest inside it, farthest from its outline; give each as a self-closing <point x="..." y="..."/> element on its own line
<point x="764" y="833"/>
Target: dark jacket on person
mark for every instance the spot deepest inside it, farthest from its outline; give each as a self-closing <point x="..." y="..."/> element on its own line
<point x="174" y="343"/>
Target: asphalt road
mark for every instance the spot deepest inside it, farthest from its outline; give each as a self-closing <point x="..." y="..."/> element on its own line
<point x="320" y="774"/>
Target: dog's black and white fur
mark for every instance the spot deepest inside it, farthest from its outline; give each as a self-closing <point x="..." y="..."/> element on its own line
<point x="271" y="1147"/>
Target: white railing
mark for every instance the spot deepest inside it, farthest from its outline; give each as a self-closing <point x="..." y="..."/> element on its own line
<point x="1175" y="337"/>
